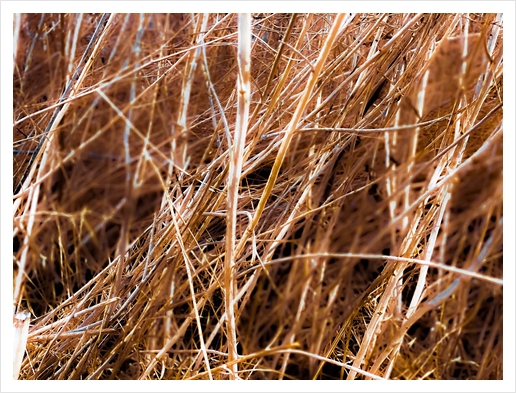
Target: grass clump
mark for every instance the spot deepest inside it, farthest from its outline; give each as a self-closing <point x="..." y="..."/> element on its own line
<point x="265" y="196"/>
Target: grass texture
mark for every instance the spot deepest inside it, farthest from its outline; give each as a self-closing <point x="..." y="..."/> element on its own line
<point x="258" y="196"/>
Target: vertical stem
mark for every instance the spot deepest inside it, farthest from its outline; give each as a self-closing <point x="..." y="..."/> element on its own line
<point x="17" y="24"/>
<point x="21" y="332"/>
<point x="235" y="169"/>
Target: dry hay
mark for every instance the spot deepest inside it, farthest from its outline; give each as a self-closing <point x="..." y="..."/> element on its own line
<point x="275" y="196"/>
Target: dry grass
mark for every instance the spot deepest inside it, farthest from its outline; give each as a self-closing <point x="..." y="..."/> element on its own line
<point x="282" y="196"/>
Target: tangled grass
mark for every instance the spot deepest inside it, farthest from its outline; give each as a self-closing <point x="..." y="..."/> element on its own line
<point x="265" y="196"/>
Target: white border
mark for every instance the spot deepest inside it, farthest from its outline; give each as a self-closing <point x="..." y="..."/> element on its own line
<point x="10" y="7"/>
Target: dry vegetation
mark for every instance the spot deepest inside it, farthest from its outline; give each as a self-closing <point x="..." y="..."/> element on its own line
<point x="265" y="196"/>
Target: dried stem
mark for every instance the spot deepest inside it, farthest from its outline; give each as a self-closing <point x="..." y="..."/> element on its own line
<point x="258" y="196"/>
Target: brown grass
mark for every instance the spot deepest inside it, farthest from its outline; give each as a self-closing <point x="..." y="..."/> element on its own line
<point x="275" y="196"/>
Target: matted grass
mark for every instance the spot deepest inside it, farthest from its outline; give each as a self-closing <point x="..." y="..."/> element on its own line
<point x="265" y="196"/>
